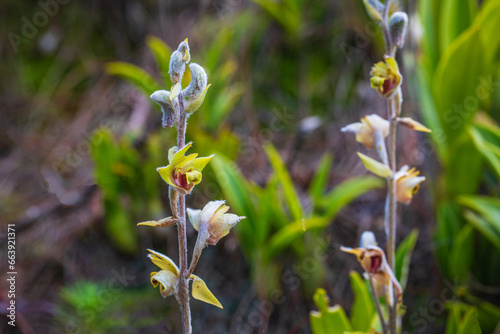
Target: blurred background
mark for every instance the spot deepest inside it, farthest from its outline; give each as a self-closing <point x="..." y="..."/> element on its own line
<point x="80" y="142"/>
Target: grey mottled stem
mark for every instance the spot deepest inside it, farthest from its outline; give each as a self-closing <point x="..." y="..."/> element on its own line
<point x="181" y="233"/>
<point x="391" y="207"/>
<point x="377" y="305"/>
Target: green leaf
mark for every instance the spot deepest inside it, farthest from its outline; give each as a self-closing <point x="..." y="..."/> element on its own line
<point x="456" y="17"/>
<point x="223" y="104"/>
<point x="374" y="166"/>
<point x="488" y="19"/>
<point x="453" y="319"/>
<point x="284" y="15"/>
<point x="484" y="227"/>
<point x="162" y="52"/>
<point x="488" y="207"/>
<point x="469" y="323"/>
<point x="291" y="232"/>
<point x="291" y="196"/>
<point x="347" y="191"/>
<point x="429" y="11"/>
<point x="135" y="75"/>
<point x="463" y="168"/>
<point x="403" y="256"/>
<point x="449" y="223"/>
<point x="320" y="179"/>
<point x="462" y="253"/>
<point x="362" y="308"/>
<point x="328" y="320"/>
<point x="452" y="88"/>
<point x="489" y="150"/>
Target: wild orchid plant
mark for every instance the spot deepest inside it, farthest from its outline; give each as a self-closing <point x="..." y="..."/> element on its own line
<point x="402" y="184"/>
<point x="182" y="174"/>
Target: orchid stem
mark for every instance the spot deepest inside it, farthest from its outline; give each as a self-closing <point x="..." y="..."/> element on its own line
<point x="181" y="232"/>
<point x="391" y="204"/>
<point x="377" y="306"/>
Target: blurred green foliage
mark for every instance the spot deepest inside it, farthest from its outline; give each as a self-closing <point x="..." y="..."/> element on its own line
<point x="459" y="93"/>
<point x="94" y="308"/>
<point x="128" y="182"/>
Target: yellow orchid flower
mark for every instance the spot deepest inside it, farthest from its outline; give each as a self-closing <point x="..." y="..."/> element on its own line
<point x="214" y="220"/>
<point x="372" y="259"/>
<point x="368" y="129"/>
<point x="407" y="183"/>
<point x="168" y="280"/>
<point x="183" y="172"/>
<point x="386" y="78"/>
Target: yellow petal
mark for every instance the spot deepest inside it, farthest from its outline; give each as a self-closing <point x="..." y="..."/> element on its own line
<point x="180" y="154"/>
<point x="199" y="163"/>
<point x="194" y="105"/>
<point x="171" y="153"/>
<point x="165" y="222"/>
<point x="163" y="261"/>
<point x="175" y="91"/>
<point x="375" y="166"/>
<point x="166" y="174"/>
<point x="355" y="251"/>
<point x="412" y="124"/>
<point x="393" y="64"/>
<point x="201" y="292"/>
<point x="167" y="281"/>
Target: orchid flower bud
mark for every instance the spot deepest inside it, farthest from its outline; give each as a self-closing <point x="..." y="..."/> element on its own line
<point x="178" y="61"/>
<point x="195" y="92"/>
<point x="375" y="9"/>
<point x="168" y="107"/>
<point x="397" y="28"/>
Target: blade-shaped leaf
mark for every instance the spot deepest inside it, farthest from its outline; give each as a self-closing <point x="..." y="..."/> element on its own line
<point x="484" y="227"/>
<point x="362" y="308"/>
<point x="291" y="196"/>
<point x="347" y="191"/>
<point x="135" y="75"/>
<point x="161" y="51"/>
<point x="456" y="16"/>
<point x="328" y="320"/>
<point x="403" y="257"/>
<point x="291" y="232"/>
<point x="462" y="252"/>
<point x="488" y="207"/>
<point x="320" y="179"/>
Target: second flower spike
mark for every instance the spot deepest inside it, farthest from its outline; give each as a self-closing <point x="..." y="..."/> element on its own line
<point x="183" y="172"/>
